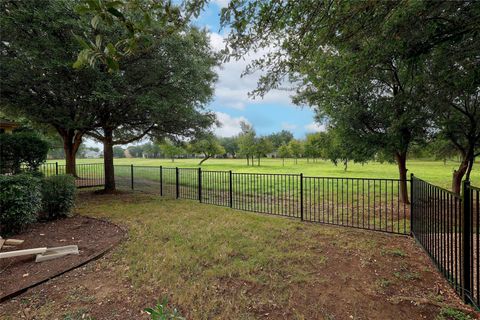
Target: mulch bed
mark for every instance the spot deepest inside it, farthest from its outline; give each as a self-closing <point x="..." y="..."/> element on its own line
<point x="94" y="237"/>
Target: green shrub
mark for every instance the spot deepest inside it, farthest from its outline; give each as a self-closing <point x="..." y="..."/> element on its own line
<point x="20" y="201"/>
<point x="58" y="196"/>
<point x="25" y="148"/>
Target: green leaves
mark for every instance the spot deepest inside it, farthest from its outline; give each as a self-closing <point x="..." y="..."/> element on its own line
<point x="127" y="26"/>
<point x="162" y="312"/>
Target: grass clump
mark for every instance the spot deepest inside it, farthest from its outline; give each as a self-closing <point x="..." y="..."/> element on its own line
<point x="452" y="314"/>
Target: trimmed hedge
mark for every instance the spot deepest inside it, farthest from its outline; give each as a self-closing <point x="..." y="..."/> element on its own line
<point x="20" y="201"/>
<point x="58" y="196"/>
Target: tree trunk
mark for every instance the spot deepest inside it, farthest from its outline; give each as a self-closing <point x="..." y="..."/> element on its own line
<point x="401" y="158"/>
<point x="70" y="161"/>
<point x="283" y="162"/>
<point x="203" y="160"/>
<point x="259" y="161"/>
<point x="71" y="143"/>
<point x="108" y="161"/>
<point x="459" y="173"/>
<point x="248" y="160"/>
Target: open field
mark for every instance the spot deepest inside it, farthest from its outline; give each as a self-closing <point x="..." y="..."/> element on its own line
<point x="219" y="263"/>
<point x="432" y="171"/>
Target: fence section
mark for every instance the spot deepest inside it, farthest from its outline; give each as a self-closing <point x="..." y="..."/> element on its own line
<point x="472" y="243"/>
<point x="88" y="175"/>
<point x="446" y="225"/>
<point x="356" y="202"/>
<point x="277" y="194"/>
<point x="371" y="204"/>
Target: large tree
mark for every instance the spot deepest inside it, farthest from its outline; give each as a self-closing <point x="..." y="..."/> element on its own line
<point x="160" y="92"/>
<point x="361" y="64"/>
<point x="37" y="49"/>
<point x="453" y="77"/>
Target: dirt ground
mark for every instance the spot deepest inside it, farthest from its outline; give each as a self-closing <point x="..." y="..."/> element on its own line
<point x="92" y="236"/>
<point x="276" y="268"/>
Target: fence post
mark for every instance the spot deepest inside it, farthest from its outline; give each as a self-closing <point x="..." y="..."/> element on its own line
<point x="467" y="222"/>
<point x="200" y="184"/>
<point x="230" y="189"/>
<point x="177" y="188"/>
<point x="161" y="181"/>
<point x="131" y="175"/>
<point x="412" y="203"/>
<point x="301" y="196"/>
<point x="56" y="168"/>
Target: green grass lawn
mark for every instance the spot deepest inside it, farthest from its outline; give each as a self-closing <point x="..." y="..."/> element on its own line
<point x="435" y="172"/>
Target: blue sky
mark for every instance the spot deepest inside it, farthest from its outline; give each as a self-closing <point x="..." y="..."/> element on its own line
<point x="231" y="102"/>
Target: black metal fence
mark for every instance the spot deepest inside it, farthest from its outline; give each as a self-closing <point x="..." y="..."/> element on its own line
<point x="88" y="175"/>
<point x="446" y="226"/>
<point x="371" y="204"/>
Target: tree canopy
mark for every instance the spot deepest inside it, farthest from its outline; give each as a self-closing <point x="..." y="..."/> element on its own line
<point x="36" y="75"/>
<point x="363" y="66"/>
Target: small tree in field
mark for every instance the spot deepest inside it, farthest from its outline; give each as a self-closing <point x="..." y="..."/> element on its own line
<point x="171" y="151"/>
<point x="246" y="142"/>
<point x="283" y="152"/>
<point x="312" y="147"/>
<point x="207" y="145"/>
<point x="296" y="149"/>
<point x="263" y="146"/>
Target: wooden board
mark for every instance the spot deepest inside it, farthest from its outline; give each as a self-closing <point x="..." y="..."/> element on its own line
<point x="56" y="252"/>
<point x="17" y="253"/>
<point x="13" y="241"/>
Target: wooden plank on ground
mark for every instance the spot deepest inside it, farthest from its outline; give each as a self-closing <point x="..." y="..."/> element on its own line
<point x="17" y="253"/>
<point x="13" y="242"/>
<point x="56" y="252"/>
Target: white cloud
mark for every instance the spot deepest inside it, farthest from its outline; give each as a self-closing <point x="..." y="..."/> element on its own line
<point x="230" y="126"/>
<point x="232" y="90"/>
<point x="315" y="127"/>
<point x="221" y="3"/>
<point x="288" y="126"/>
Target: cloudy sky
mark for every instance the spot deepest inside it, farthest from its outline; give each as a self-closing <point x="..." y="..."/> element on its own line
<point x="231" y="102"/>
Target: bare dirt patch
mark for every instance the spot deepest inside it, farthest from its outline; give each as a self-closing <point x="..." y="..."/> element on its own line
<point x="92" y="236"/>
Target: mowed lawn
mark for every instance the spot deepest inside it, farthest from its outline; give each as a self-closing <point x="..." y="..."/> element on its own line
<point x="435" y="172"/>
<point x="218" y="263"/>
